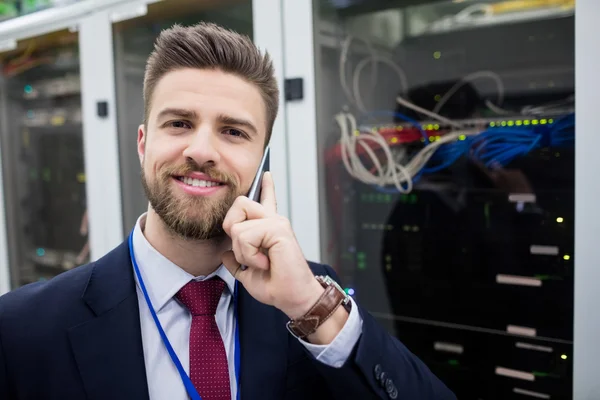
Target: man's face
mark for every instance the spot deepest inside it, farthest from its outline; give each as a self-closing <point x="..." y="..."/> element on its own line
<point x="204" y="141"/>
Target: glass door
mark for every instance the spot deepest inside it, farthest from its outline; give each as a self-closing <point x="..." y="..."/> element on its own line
<point x="446" y="156"/>
<point x="42" y="157"/>
<point x="133" y="42"/>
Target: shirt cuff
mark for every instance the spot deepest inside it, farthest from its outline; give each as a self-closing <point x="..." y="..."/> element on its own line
<point x="336" y="353"/>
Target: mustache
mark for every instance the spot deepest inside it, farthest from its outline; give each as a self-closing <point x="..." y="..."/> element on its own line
<point x="191" y="166"/>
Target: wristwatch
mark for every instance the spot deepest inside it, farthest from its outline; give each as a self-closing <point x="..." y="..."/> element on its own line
<point x="330" y="300"/>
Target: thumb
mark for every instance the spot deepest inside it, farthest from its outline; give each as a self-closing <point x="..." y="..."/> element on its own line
<point x="232" y="265"/>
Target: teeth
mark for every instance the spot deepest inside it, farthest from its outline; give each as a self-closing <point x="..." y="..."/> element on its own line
<point x="198" y="182"/>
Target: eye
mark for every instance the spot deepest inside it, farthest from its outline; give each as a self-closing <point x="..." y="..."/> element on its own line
<point x="178" y="125"/>
<point x="234" y="132"/>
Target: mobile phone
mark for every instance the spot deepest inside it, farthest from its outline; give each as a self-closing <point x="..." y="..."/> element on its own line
<point x="254" y="192"/>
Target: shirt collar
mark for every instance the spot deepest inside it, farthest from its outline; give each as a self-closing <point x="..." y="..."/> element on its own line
<point x="162" y="278"/>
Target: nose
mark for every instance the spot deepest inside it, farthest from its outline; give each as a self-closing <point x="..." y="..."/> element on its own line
<point x="202" y="147"/>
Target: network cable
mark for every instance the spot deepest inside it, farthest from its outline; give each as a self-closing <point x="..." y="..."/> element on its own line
<point x="368" y="157"/>
<point x="493" y="147"/>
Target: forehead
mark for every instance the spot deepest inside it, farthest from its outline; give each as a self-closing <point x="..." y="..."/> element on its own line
<point x="210" y="93"/>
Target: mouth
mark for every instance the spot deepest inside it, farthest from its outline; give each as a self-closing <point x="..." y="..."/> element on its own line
<point x="199" y="186"/>
<point x="194" y="182"/>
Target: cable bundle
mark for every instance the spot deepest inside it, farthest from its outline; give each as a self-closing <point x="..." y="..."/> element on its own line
<point x="493" y="147"/>
<point x="497" y="147"/>
<point x="368" y="157"/>
<point x="390" y="170"/>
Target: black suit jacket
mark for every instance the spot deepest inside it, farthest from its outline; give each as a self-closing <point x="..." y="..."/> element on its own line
<point x="78" y="336"/>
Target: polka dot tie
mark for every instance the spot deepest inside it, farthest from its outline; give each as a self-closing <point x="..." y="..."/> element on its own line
<point x="208" y="361"/>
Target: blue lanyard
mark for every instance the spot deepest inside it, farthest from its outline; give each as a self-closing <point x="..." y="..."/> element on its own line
<point x="187" y="382"/>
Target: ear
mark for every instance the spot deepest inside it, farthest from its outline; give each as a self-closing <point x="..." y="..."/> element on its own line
<point x="141" y="143"/>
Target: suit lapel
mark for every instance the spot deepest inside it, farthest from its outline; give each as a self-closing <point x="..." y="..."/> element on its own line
<point x="108" y="348"/>
<point x="263" y="342"/>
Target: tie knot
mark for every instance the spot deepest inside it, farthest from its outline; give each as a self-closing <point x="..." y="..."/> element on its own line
<point x="201" y="297"/>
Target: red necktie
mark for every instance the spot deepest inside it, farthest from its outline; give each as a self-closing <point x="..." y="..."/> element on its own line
<point x="208" y="361"/>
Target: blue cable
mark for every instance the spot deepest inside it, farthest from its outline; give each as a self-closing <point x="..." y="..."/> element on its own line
<point x="494" y="146"/>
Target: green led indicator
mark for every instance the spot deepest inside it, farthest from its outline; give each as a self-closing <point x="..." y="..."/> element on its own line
<point x="46" y="174"/>
<point x="453" y="362"/>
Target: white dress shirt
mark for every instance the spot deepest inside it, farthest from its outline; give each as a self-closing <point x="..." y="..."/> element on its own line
<point x="163" y="280"/>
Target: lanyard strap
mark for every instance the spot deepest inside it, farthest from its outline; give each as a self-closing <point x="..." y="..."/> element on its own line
<point x="187" y="382"/>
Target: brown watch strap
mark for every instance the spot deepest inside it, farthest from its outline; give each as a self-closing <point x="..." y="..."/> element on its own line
<point x="329" y="301"/>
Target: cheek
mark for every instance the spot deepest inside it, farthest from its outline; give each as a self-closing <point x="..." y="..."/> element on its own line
<point x="241" y="166"/>
<point x="250" y="171"/>
<point x="159" y="155"/>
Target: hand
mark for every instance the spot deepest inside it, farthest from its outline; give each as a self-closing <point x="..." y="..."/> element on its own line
<point x="264" y="241"/>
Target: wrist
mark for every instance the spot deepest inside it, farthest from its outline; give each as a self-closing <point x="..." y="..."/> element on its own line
<point x="311" y="295"/>
<point x="324" y="317"/>
<point x="328" y="331"/>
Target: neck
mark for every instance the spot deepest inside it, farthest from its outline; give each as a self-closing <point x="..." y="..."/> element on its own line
<point x="196" y="257"/>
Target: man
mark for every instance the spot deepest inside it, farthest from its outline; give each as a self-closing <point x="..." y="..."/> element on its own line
<point x="171" y="312"/>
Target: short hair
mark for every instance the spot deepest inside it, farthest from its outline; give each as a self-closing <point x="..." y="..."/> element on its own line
<point x="209" y="46"/>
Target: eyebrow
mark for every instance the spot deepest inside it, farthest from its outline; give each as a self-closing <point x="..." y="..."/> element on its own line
<point x="228" y="120"/>
<point x="178" y="112"/>
<point x="192" y="115"/>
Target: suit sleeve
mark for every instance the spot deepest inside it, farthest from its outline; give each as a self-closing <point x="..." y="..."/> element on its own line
<point x="4" y="394"/>
<point x="381" y="367"/>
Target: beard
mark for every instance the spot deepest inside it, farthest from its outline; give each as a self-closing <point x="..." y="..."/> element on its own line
<point x="190" y="217"/>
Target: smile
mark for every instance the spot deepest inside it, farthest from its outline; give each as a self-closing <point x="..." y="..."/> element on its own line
<point x="197" y="182"/>
<point x="198" y="187"/>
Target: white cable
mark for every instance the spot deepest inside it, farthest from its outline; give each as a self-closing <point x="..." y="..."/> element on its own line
<point x="356" y="97"/>
<point x="344" y="59"/>
<point x="466" y="14"/>
<point x="498" y="110"/>
<point x="357" y="72"/>
<point x="470" y="77"/>
<point x="463" y="17"/>
<point x="544" y="108"/>
<point x="430" y="114"/>
<point x="391" y="171"/>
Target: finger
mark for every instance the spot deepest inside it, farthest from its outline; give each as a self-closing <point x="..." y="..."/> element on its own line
<point x="248" y="242"/>
<point x="267" y="194"/>
<point x="232" y="265"/>
<point x="242" y="209"/>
